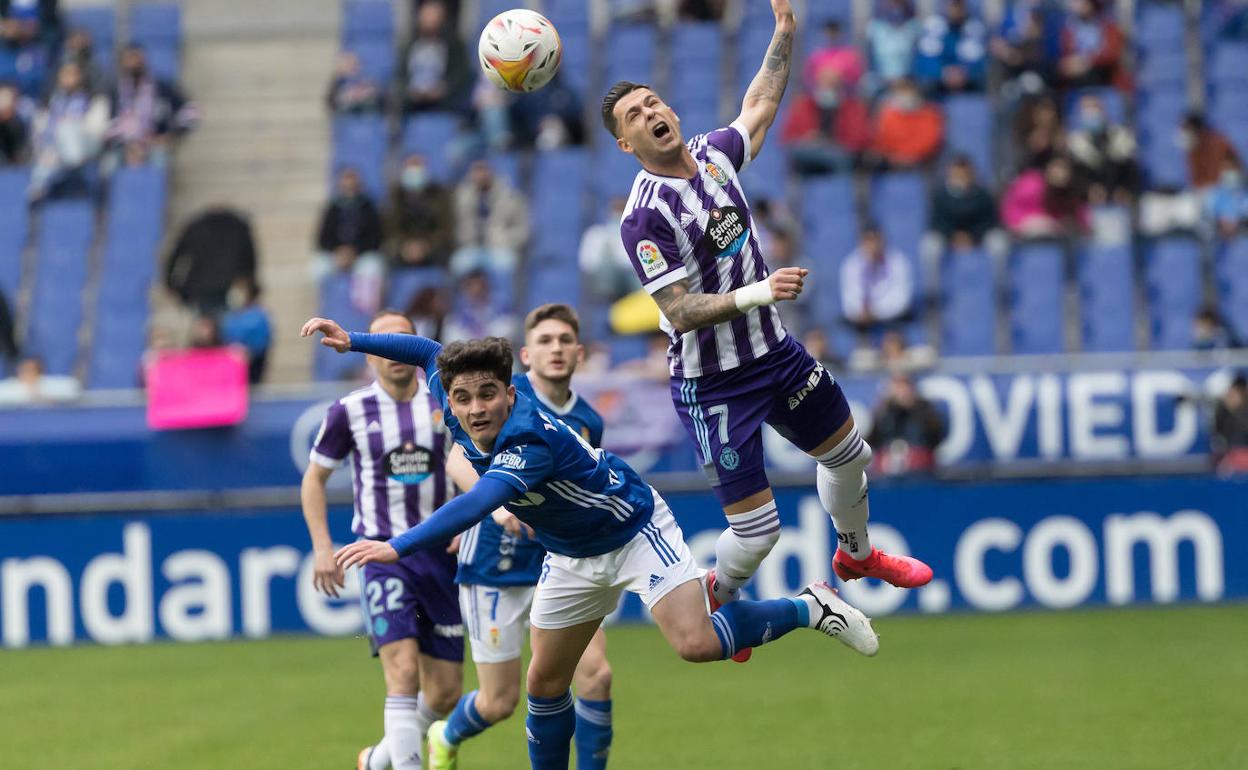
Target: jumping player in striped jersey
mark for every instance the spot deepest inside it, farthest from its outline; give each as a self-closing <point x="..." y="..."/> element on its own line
<point x="500" y="562"/>
<point x="605" y="530"/>
<point x="394" y="435"/>
<point x="692" y="240"/>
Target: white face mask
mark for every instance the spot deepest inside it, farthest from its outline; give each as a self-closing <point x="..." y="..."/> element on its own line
<point x="413" y="178"/>
<point x="236" y="298"/>
<point x="1184" y="140"/>
<point x="1232" y="178"/>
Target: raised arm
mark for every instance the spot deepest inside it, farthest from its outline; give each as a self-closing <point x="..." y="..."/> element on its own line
<point x="762" y="98"/>
<point x="406" y="348"/>
<point x="688" y="311"/>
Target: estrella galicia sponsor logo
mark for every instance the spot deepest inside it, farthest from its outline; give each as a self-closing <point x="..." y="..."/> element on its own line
<point x="726" y="232"/>
<point x="510" y="459"/>
<point x="812" y="382"/>
<point x="729" y="459"/>
<point x="409" y="463"/>
<point x="717" y="173"/>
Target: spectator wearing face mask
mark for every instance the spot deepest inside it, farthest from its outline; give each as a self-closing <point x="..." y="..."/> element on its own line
<point x="349" y="239"/>
<point x="952" y="53"/>
<point x="1226" y="204"/>
<point x="835" y="53"/>
<point x="1104" y="155"/>
<point x="1092" y="46"/>
<point x="908" y="130"/>
<point x="148" y="114"/>
<point x="491" y="222"/>
<point x="1045" y="203"/>
<point x="828" y="127"/>
<point x="420" y="226"/>
<point x="891" y="39"/>
<point x="962" y="210"/>
<point x="1208" y="151"/>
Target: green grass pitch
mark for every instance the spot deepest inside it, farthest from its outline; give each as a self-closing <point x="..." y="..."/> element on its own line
<point x="1139" y="688"/>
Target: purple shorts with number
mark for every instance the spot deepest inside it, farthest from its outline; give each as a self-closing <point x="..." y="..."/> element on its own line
<point x="724" y="414"/>
<point x="415" y="598"/>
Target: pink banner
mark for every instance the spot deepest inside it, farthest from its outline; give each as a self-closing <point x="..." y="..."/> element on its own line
<point x="200" y="388"/>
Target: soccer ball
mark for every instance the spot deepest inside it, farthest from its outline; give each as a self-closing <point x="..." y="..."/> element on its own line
<point x="520" y="50"/>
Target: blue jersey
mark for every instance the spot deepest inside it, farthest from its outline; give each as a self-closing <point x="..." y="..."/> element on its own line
<point x="580" y="501"/>
<point x="488" y="555"/>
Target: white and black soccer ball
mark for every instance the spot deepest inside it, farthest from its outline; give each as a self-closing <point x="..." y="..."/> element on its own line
<point x="519" y="50"/>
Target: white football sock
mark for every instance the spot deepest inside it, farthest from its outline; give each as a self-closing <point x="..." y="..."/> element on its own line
<point x="403" y="734"/>
<point x="841" y="480"/>
<point x="425" y="716"/>
<point x="742" y="547"/>
<point x="379" y="757"/>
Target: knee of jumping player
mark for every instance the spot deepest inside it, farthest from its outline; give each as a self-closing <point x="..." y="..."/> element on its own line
<point x="497" y="706"/>
<point x="700" y="647"/>
<point x="546" y="684"/>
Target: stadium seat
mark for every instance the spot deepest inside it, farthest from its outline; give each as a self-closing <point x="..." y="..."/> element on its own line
<point x="696" y="45"/>
<point x="968" y="313"/>
<point x="1228" y="113"/>
<point x="577" y="65"/>
<point x="156" y="23"/>
<point x="1036" y="293"/>
<point x="1173" y="279"/>
<point x="1228" y="63"/>
<point x="559" y="183"/>
<point x="432" y="134"/>
<point x="1111" y="98"/>
<point x="336" y="304"/>
<point x="100" y="21"/>
<point x="632" y="53"/>
<point x="367" y="20"/>
<point x="360" y="143"/>
<point x="1106" y="298"/>
<point x="972" y="115"/>
<point x="899" y="203"/>
<point x="13" y="230"/>
<point x="119" y="340"/>
<point x="1159" y="115"/>
<point x="377" y="58"/>
<point x="164" y="60"/>
<point x="1163" y="68"/>
<point x="1232" y="281"/>
<point x="66" y="230"/>
<point x="830" y="226"/>
<point x="405" y="283"/>
<point x="628" y="347"/>
<point x="488" y="9"/>
<point x="751" y="48"/>
<point x="767" y="176"/>
<point x="1159" y="25"/>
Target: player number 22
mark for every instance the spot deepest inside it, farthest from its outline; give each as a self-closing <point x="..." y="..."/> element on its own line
<point x="393" y="592"/>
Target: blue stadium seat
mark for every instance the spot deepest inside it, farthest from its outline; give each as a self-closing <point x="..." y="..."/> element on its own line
<point x="696" y="44"/>
<point x="431" y="134"/>
<point x="767" y="175"/>
<point x="564" y="13"/>
<point x="66" y="229"/>
<point x="577" y="65"/>
<point x="377" y="58"/>
<point x="971" y="115"/>
<point x="1164" y="68"/>
<point x="156" y="23"/>
<point x="165" y="61"/>
<point x="1159" y="25"/>
<point x="1159" y="116"/>
<point x="100" y="21"/>
<point x="554" y="283"/>
<point x="969" y="311"/>
<point x="1107" y="298"/>
<point x="823" y="11"/>
<point x="359" y="141"/>
<point x="488" y="9"/>
<point x="899" y="203"/>
<point x="1228" y="113"/>
<point x="406" y="282"/>
<point x="628" y="347"/>
<point x="751" y="48"/>
<point x="612" y="172"/>
<point x="367" y="20"/>
<point x="632" y="53"/>
<point x="13" y="230"/>
<point x="1232" y="280"/>
<point x="559" y="179"/>
<point x="1173" y="278"/>
<point x="1036" y="307"/>
<point x="1228" y="63"/>
<point x="117" y="346"/>
<point x="1111" y="98"/>
<point x="336" y="304"/>
<point x="134" y="222"/>
<point x="830" y="226"/>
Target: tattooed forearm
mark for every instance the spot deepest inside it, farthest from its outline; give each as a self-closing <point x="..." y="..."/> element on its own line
<point x="688" y="312"/>
<point x="769" y="84"/>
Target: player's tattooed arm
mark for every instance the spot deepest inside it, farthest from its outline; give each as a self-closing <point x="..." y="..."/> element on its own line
<point x="762" y="98"/>
<point x="688" y="311"/>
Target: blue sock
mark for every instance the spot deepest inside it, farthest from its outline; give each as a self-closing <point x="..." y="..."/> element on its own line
<point x="744" y="624"/>
<point x="593" y="733"/>
<point x="465" y="721"/>
<point x="549" y="727"/>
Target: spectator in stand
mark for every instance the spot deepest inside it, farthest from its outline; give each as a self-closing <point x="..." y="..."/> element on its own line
<point x="30" y="385"/>
<point x="1208" y="151"/>
<point x="828" y="127"/>
<point x="438" y="75"/>
<point x="962" y="210"/>
<point x="352" y="91"/>
<point x="1229" y="438"/>
<point x="8" y="336"/>
<point x="80" y="49"/>
<point x="1038" y="133"/>
<point x="214" y="249"/>
<point x="835" y="53"/>
<point x="491" y="222"/>
<point x="476" y="313"/>
<point x="428" y="309"/>
<point x="1104" y="155"/>
<point x="28" y="28"/>
<point x="68" y="134"/>
<point x="1092" y="46"/>
<point x="905" y="430"/>
<point x="349" y="239"/>
<point x="952" y="53"/>
<point x="877" y="286"/>
<point x="490" y="116"/>
<point x="548" y="118"/>
<point x="246" y="323"/>
<point x="148" y="115"/>
<point x="1210" y="331"/>
<point x="908" y="130"/>
<point x="891" y="39"/>
<point x="1046" y="203"/>
<point x="15" y="115"/>
<point x="702" y="10"/>
<point x="1026" y="49"/>
<point x="782" y="251"/>
<point x="606" y="271"/>
<point x="1226" y="204"/>
<point x="420" y="227"/>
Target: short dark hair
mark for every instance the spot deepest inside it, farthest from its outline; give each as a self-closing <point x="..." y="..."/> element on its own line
<point x="556" y="310"/>
<point x="491" y="355"/>
<point x="617" y="92"/>
<point x="388" y="311"/>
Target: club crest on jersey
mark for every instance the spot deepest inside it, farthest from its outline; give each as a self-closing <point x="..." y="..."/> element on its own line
<point x="726" y="232"/>
<point x="409" y="464"/>
<point x="717" y="173"/>
<point x="651" y="259"/>
<point x="729" y="459"/>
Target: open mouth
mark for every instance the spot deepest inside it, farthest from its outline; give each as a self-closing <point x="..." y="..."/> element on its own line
<point x="661" y="129"/>
<point x="479" y="425"/>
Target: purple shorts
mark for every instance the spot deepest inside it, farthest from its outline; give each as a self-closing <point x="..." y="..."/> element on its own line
<point x="724" y="414"/>
<point x="415" y="598"/>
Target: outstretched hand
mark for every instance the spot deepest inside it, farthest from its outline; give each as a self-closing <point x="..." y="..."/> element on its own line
<point x="366" y="552"/>
<point x="335" y="336"/>
<point x="787" y="283"/>
<point x="781" y="8"/>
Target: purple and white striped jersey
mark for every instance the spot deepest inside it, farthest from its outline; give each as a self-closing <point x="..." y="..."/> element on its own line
<point x="398" y="456"/>
<point x="700" y="229"/>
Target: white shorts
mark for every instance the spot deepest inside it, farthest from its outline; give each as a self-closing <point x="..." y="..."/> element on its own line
<point x="496" y="618"/>
<point x="572" y="591"/>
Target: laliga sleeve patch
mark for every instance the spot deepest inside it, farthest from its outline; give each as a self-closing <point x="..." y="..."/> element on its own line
<point x="652" y="262"/>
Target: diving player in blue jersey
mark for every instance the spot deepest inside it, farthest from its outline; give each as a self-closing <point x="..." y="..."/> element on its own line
<point x="500" y="561"/>
<point x="605" y="529"/>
